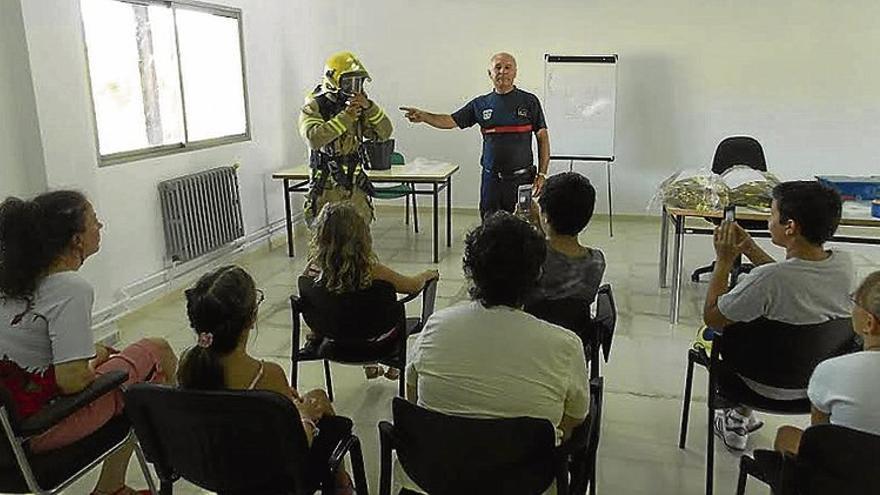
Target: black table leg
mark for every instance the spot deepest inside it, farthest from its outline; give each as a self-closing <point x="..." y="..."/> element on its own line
<point x="436" y="201"/>
<point x="287" y="218"/>
<point x="449" y="212"/>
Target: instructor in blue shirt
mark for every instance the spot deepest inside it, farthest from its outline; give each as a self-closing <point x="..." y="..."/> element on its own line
<point x="508" y="116"/>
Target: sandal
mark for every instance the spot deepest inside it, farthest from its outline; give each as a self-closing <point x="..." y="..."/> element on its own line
<point x="373" y="371"/>
<point x="392" y="373"/>
<point x="125" y="490"/>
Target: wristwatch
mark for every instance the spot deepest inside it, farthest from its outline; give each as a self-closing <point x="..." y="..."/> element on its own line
<point x="542" y="174"/>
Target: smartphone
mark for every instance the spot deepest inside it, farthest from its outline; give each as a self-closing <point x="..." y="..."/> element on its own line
<point x="730" y="213"/>
<point x="524" y="197"/>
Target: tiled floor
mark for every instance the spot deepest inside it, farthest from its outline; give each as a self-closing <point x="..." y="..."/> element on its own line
<point x="644" y="379"/>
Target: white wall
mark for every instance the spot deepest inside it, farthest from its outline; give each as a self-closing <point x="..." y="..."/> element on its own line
<point x="801" y="76"/>
<point x="21" y="155"/>
<point x="126" y="195"/>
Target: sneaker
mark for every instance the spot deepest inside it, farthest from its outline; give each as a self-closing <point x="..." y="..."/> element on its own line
<point x="731" y="430"/>
<point x="751" y="422"/>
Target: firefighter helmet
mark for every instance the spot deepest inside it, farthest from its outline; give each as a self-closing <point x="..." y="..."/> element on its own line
<point x="343" y="71"/>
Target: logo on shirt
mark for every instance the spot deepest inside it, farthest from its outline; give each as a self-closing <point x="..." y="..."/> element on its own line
<point x="522" y="112"/>
<point x="487" y="114"/>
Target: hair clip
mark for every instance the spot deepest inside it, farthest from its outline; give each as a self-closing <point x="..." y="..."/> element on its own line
<point x="205" y="339"/>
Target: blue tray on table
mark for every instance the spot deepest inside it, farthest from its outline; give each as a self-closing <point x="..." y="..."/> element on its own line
<point x="865" y="188"/>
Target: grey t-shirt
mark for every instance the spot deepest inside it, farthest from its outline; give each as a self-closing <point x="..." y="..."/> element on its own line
<point x="57" y="329"/>
<point x="566" y="276"/>
<point x="794" y="291"/>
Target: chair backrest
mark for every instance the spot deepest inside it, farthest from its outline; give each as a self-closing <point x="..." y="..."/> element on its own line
<point x="834" y="459"/>
<point x="447" y="455"/>
<point x="597" y="387"/>
<point x="738" y="150"/>
<point x="223" y="441"/>
<point x="397" y="158"/>
<point x="605" y="320"/>
<point x="429" y="300"/>
<point x="780" y="354"/>
<point x="352" y="317"/>
<point x="574" y="314"/>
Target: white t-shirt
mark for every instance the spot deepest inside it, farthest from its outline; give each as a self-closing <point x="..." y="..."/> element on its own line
<point x="846" y="387"/>
<point x="499" y="362"/>
<point x="794" y="291"/>
<point x="57" y="329"/>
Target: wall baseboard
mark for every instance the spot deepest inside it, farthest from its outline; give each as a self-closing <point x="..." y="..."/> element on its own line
<point x="151" y="288"/>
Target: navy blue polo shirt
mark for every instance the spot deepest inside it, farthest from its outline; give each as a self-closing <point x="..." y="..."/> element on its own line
<point x="507" y="122"/>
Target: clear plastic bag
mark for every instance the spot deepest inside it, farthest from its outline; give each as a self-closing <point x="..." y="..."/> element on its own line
<point x="749" y="187"/>
<point x="695" y="189"/>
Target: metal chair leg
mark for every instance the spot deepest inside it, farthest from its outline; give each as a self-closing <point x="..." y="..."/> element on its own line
<point x="357" y="467"/>
<point x="145" y="468"/>
<point x="686" y="405"/>
<point x="743" y="474"/>
<point x="710" y="450"/>
<point x="328" y="380"/>
<point x="406" y="216"/>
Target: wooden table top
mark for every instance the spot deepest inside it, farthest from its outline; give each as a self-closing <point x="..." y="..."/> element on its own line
<point x="849" y="218"/>
<point x="415" y="172"/>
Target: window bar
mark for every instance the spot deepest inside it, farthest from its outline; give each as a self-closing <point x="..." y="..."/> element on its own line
<point x="180" y="76"/>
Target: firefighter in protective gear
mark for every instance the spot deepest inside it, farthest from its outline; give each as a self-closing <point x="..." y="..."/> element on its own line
<point x="336" y="119"/>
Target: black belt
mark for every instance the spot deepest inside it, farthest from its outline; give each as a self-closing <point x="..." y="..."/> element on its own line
<point x="513" y="174"/>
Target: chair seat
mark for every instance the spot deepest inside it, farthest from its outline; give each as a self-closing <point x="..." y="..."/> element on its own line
<point x="734" y="391"/>
<point x="392" y="192"/>
<point x="350" y="354"/>
<point x="56" y="466"/>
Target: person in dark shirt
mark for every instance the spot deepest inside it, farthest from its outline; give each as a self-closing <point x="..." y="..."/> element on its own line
<point x="508" y="116"/>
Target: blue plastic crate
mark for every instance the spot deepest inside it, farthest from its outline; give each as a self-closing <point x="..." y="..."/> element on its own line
<point x="864" y="188"/>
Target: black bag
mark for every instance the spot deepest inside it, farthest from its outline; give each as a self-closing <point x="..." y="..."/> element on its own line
<point x="378" y="154"/>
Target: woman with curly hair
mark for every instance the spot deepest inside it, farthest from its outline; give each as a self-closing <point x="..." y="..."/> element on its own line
<point x="341" y="259"/>
<point x="47" y="348"/>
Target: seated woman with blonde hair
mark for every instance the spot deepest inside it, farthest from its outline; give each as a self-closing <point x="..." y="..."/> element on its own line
<point x="341" y="258"/>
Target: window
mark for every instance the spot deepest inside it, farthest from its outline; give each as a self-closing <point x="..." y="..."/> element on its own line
<point x="166" y="76"/>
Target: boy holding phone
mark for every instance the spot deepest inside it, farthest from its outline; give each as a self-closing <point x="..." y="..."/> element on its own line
<point x="811" y="285"/>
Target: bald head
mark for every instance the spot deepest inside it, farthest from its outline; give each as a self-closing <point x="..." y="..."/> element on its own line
<point x="502" y="56"/>
<point x="502" y="72"/>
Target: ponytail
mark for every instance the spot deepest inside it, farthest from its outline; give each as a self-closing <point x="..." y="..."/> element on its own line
<point x="220" y="307"/>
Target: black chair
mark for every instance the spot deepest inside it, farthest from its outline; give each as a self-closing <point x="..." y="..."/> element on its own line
<point x="349" y="324"/>
<point x="450" y="455"/>
<point x="830" y="459"/>
<point x="769" y="352"/>
<point x="233" y="442"/>
<point x="596" y="332"/>
<point x="732" y="151"/>
<point x="22" y="471"/>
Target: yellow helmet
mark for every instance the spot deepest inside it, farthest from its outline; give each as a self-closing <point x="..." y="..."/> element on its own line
<point x="343" y="65"/>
